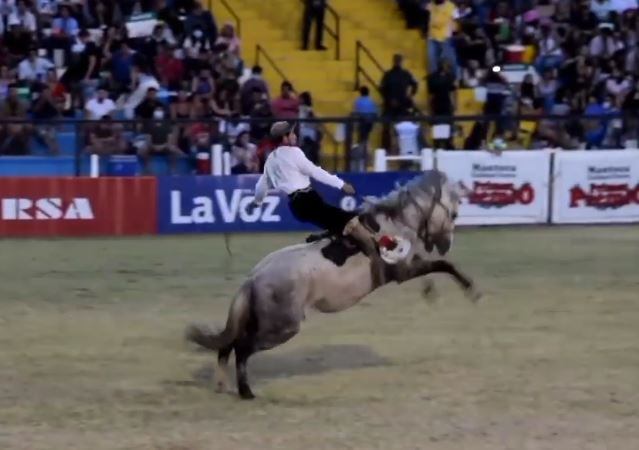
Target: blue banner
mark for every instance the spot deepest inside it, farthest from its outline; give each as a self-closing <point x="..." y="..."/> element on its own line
<point x="214" y="204"/>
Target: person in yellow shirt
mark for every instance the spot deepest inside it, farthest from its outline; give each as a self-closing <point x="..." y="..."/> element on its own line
<point x="443" y="15"/>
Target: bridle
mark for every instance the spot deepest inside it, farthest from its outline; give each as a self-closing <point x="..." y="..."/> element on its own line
<point x="422" y="231"/>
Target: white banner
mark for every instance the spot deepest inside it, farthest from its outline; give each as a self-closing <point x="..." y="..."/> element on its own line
<point x="508" y="189"/>
<point x="596" y="187"/>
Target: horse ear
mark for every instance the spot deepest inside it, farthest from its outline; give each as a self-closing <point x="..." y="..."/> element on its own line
<point x="461" y="190"/>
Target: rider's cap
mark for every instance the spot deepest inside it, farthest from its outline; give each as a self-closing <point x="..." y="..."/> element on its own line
<point x="280" y="129"/>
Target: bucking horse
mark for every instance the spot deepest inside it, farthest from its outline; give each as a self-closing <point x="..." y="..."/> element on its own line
<point x="331" y="275"/>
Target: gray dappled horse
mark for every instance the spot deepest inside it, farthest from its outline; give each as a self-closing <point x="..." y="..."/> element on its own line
<point x="269" y="307"/>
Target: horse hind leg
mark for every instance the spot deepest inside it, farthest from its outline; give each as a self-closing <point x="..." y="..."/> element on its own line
<point x="250" y="345"/>
<point x="222" y="370"/>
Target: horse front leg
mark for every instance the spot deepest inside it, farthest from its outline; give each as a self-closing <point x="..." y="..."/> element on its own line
<point x="422" y="268"/>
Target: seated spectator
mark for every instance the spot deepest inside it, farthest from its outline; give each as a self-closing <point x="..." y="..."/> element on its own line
<point x="34" y="67"/>
<point x="160" y="36"/>
<point x="7" y="78"/>
<point x="550" y="52"/>
<point x="182" y="108"/>
<point x="64" y="29"/>
<point x="101" y="13"/>
<point x="194" y="42"/>
<point x="149" y="105"/>
<point x="100" y="105"/>
<point x="22" y="15"/>
<point x="17" y="41"/>
<point x="222" y="105"/>
<point x="547" y="90"/>
<point x="203" y="83"/>
<point x="44" y="107"/>
<point x="106" y="138"/>
<point x="160" y="139"/>
<point x="254" y="83"/>
<point x="14" y="137"/>
<point x="230" y="39"/>
<point x="602" y="44"/>
<point x="472" y="75"/>
<point x="244" y="155"/>
<point x="202" y="19"/>
<point x="170" y="69"/>
<point x="287" y="105"/>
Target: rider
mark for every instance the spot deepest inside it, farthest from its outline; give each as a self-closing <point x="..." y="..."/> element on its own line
<point x="287" y="169"/>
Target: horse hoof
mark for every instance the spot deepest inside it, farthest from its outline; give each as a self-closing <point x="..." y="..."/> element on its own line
<point x="428" y="291"/>
<point x="473" y="294"/>
<point x="247" y="395"/>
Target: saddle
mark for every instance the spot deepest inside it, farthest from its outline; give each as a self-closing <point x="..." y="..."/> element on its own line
<point x="339" y="247"/>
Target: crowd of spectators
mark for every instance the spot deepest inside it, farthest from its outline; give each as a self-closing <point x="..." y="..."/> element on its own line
<point x="584" y="54"/>
<point x="150" y="60"/>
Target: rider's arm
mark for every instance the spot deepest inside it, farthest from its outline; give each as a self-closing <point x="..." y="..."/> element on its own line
<point x="261" y="189"/>
<point x="316" y="172"/>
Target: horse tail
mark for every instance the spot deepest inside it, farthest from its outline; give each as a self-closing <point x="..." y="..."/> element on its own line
<point x="235" y="323"/>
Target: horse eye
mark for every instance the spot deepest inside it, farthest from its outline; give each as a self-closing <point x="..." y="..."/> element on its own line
<point x="453" y="215"/>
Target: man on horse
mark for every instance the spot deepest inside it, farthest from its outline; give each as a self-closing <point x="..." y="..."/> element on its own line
<point x="288" y="170"/>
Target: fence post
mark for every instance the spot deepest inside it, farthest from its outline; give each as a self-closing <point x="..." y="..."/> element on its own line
<point x="95" y="165"/>
<point x="216" y="159"/>
<point x="426" y="159"/>
<point x="226" y="163"/>
<point x="380" y="161"/>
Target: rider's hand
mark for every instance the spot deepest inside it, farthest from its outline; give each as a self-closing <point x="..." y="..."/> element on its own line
<point x="348" y="189"/>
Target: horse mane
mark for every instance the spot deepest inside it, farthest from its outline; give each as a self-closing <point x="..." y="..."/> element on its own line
<point x="427" y="183"/>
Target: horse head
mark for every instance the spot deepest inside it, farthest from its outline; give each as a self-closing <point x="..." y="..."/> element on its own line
<point x="428" y="204"/>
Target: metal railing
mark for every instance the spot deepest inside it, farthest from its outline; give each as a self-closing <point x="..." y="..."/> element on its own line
<point x="232" y="13"/>
<point x="362" y="51"/>
<point x="260" y="52"/>
<point x="362" y="135"/>
<point x="336" y="31"/>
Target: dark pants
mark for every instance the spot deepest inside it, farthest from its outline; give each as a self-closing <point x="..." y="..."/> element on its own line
<point x="317" y="15"/>
<point x="309" y="207"/>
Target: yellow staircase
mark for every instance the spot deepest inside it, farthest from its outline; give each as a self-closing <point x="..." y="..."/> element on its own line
<point x="276" y="26"/>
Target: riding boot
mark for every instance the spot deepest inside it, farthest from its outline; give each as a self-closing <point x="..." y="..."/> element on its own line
<point x="366" y="241"/>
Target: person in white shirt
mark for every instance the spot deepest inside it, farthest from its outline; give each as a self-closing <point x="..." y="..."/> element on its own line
<point x="34" y="67"/>
<point x="24" y="16"/>
<point x="288" y="170"/>
<point x="99" y="106"/>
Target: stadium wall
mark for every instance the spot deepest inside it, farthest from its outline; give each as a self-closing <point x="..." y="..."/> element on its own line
<point x="533" y="187"/>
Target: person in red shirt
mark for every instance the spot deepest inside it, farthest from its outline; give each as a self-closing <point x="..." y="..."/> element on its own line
<point x="170" y="69"/>
<point x="287" y="105"/>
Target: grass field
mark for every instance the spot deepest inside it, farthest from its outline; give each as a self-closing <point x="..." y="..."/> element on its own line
<point x="92" y="355"/>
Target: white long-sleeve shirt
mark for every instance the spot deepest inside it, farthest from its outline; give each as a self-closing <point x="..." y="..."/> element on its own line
<point x="288" y="170"/>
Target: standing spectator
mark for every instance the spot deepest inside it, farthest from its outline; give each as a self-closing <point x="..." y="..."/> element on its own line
<point x="34" y="68"/>
<point x="287" y="105"/>
<point x="64" y="29"/>
<point x="144" y="85"/>
<point x="398" y="87"/>
<point x="314" y="11"/>
<point x="84" y="67"/>
<point x="99" y="106"/>
<point x="442" y="23"/>
<point x="366" y="111"/>
<point x="254" y="83"/>
<point x="7" y="78"/>
<point x="170" y="68"/>
<point x="228" y="37"/>
<point x="122" y="63"/>
<point x="14" y="137"/>
<point x="310" y="133"/>
<point x="23" y="15"/>
<point x="44" y="107"/>
<point x="202" y="19"/>
<point x="195" y="42"/>
<point x="550" y="53"/>
<point x="547" y="89"/>
<point x="244" y="155"/>
<point x="262" y="115"/>
<point x="442" y="86"/>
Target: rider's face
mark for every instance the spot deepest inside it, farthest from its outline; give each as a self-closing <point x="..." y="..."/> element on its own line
<point x="291" y="139"/>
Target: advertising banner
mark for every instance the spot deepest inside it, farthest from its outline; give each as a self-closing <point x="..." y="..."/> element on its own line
<point x="596" y="187"/>
<point x="77" y="206"/>
<point x="512" y="188"/>
<point x="209" y="204"/>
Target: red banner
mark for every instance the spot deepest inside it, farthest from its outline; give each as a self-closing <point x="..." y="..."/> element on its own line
<point x="69" y="206"/>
